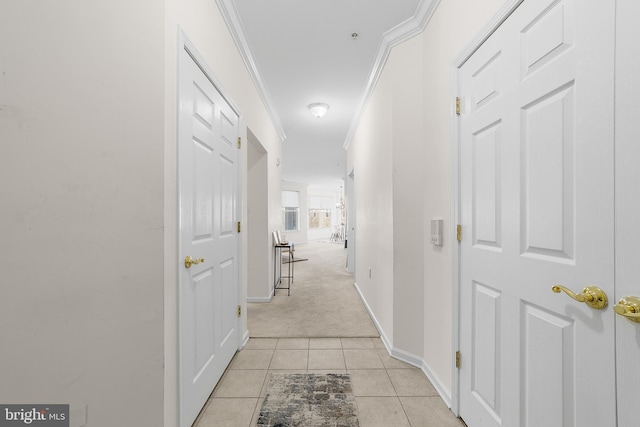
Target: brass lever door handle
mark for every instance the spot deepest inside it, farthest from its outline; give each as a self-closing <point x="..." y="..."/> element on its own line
<point x="628" y="307"/>
<point x="593" y="296"/>
<point x="188" y="261"/>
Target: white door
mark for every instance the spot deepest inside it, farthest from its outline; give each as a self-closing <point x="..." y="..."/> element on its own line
<point x="208" y="290"/>
<point x="536" y="206"/>
<point x="627" y="205"/>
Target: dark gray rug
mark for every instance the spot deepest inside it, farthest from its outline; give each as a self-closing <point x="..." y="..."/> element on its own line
<point x="309" y="400"/>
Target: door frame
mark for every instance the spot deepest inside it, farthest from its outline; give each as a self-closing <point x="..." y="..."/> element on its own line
<point x="627" y="197"/>
<point x="257" y="237"/>
<point x="351" y="221"/>
<point x="186" y="46"/>
<point x="507" y="9"/>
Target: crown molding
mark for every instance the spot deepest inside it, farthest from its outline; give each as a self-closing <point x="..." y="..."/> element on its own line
<point x="396" y="35"/>
<point x="232" y="19"/>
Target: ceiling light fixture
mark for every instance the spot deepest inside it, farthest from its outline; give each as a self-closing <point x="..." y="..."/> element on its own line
<point x="318" y="109"/>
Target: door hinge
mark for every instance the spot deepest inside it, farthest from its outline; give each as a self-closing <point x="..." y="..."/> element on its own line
<point x="238" y="226"/>
<point x="239" y="311"/>
<point x="239" y="142"/>
<point x="459" y="233"/>
<point x="458" y="360"/>
<point x="457" y="106"/>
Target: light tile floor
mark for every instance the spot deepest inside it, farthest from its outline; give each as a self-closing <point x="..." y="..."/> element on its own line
<point x="389" y="393"/>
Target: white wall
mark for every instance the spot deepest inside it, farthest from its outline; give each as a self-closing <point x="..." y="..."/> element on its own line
<point x="394" y="174"/>
<point x="406" y="65"/>
<point x="89" y="212"/>
<point x="441" y="47"/>
<point x="401" y="153"/>
<point x="370" y="156"/>
<point x="204" y="25"/>
<point x="81" y="178"/>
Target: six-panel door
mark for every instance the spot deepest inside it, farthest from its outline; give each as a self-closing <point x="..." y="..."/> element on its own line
<point x="536" y="135"/>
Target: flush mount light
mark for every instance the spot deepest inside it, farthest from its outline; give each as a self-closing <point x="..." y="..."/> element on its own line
<point x="318" y="109"/>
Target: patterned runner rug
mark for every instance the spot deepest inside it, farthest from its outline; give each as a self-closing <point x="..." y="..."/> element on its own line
<point x="309" y="400"/>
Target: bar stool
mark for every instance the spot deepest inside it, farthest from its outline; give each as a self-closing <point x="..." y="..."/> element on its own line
<point x="281" y="247"/>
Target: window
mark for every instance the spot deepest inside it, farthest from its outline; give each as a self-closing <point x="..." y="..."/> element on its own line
<point x="291" y="219"/>
<point x="319" y="218"/>
<point x="290" y="211"/>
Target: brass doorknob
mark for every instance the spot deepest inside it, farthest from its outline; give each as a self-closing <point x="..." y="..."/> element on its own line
<point x="593" y="296"/>
<point x="188" y="261"/>
<point x="628" y="307"/>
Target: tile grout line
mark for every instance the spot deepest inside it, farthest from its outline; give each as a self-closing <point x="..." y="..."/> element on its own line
<point x="264" y="383"/>
<point x="404" y="410"/>
<point x="356" y="346"/>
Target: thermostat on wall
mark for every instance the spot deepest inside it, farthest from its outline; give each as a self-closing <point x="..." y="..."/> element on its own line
<point x="436" y="232"/>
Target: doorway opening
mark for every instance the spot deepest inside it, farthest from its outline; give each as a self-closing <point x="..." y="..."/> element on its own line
<point x="258" y="245"/>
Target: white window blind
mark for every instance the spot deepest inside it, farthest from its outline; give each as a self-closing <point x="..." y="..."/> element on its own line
<point x="290" y="199"/>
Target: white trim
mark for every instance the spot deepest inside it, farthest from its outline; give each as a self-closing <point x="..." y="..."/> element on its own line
<point x="240" y="193"/>
<point x="182" y="46"/>
<point x="406" y="357"/>
<point x="416" y="361"/>
<point x="437" y="384"/>
<point x="502" y="14"/>
<point x="383" y="336"/>
<point x="245" y="340"/>
<point x="232" y="19"/>
<point x="259" y="299"/>
<point x="188" y="46"/>
<point x="455" y="252"/>
<point x="272" y="294"/>
<point x="396" y="35"/>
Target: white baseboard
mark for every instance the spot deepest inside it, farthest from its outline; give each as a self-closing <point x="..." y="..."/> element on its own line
<point x="416" y="361"/>
<point x="245" y="339"/>
<point x="259" y="299"/>
<point x="406" y="357"/>
<point x="383" y="336"/>
<point x="272" y="293"/>
<point x="437" y="384"/>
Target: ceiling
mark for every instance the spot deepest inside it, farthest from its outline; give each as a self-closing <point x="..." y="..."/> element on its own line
<point x="330" y="51"/>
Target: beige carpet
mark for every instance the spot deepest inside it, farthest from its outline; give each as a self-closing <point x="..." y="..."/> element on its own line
<point x="323" y="301"/>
